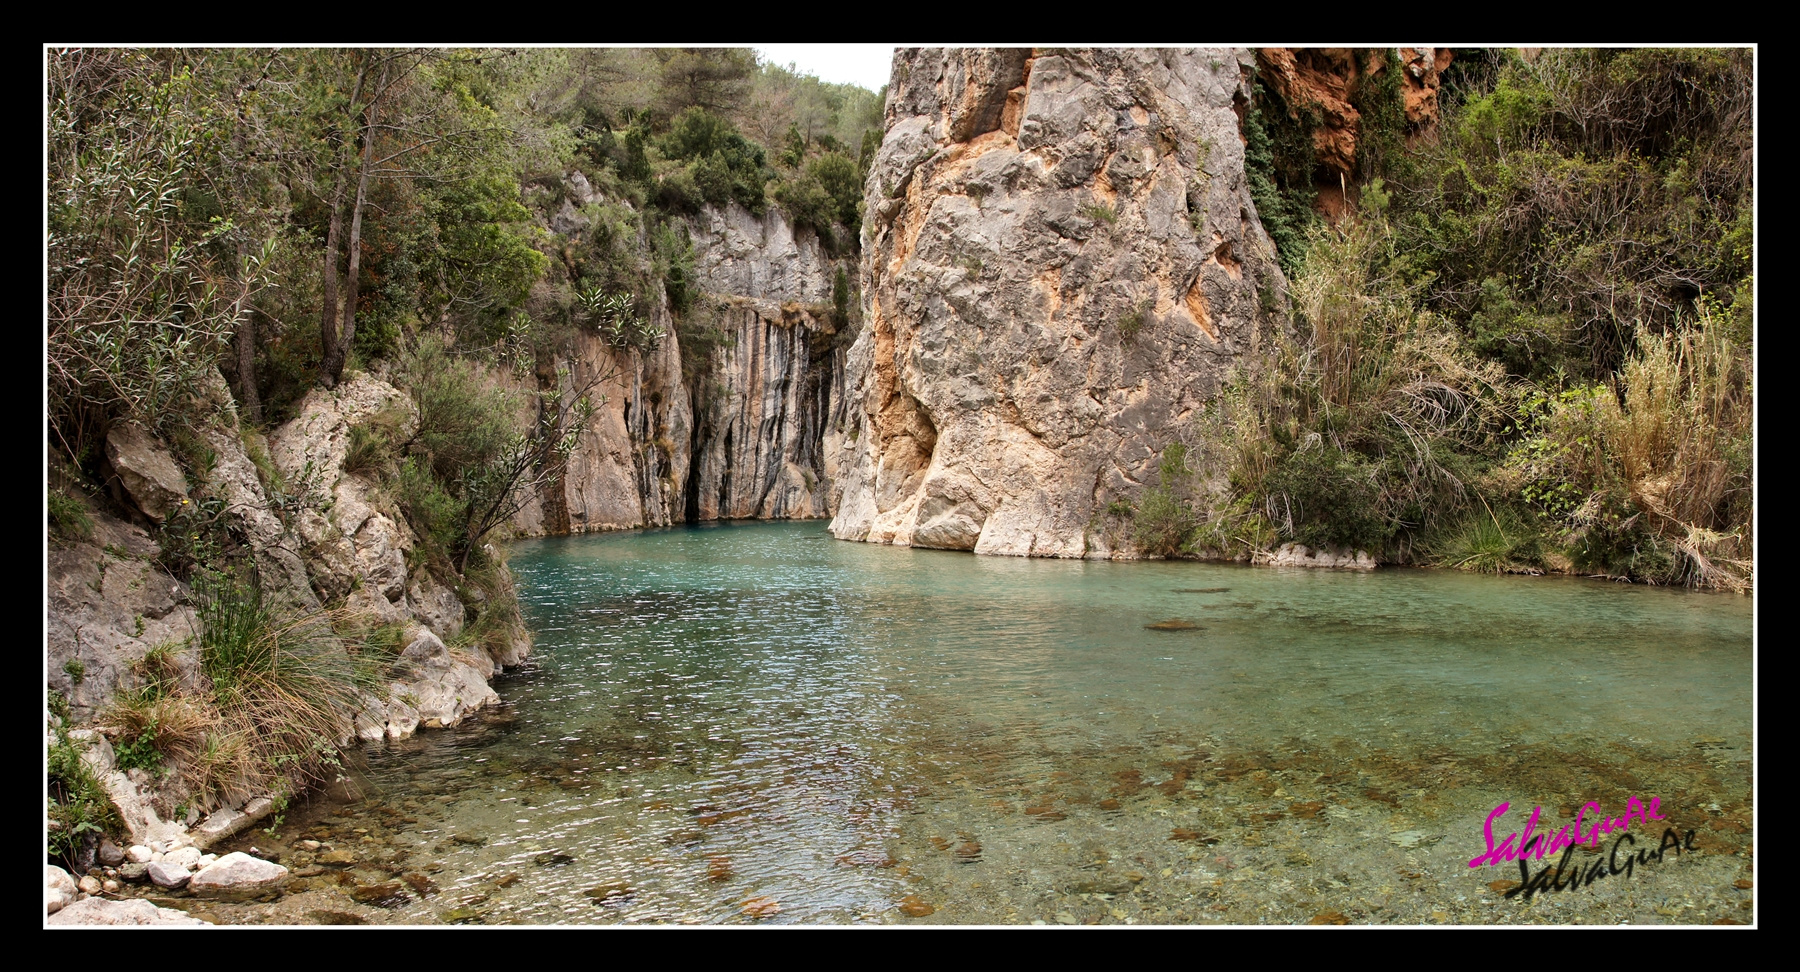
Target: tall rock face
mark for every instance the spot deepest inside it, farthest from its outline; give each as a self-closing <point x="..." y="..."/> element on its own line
<point x="1324" y="84"/>
<point x="1061" y="264"/>
<point x="688" y="435"/>
<point x="770" y="396"/>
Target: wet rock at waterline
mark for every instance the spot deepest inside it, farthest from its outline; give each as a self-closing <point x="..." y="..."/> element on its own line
<point x="132" y="911"/>
<point x="1300" y="555"/>
<point x="238" y="875"/>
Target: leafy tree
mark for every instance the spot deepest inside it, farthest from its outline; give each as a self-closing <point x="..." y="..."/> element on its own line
<point x="140" y="307"/>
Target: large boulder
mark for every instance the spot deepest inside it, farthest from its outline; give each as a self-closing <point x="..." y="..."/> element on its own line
<point x="146" y="470"/>
<point x="131" y="911"/>
<point x="238" y="875"/>
<point x="1061" y="264"/>
<point x="59" y="889"/>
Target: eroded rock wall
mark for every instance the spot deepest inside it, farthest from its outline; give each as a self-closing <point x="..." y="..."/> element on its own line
<point x="742" y="434"/>
<point x="1061" y="263"/>
<point x="770" y="397"/>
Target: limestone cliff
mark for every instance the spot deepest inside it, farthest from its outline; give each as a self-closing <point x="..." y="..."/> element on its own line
<point x="1061" y="262"/>
<point x="740" y="434"/>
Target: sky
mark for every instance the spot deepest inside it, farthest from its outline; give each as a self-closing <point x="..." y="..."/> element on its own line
<point x="863" y="64"/>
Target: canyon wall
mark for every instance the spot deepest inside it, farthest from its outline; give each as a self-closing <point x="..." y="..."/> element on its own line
<point x="744" y="433"/>
<point x="1061" y="263"/>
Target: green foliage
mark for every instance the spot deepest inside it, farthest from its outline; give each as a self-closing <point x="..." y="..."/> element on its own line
<point x="1489" y="542"/>
<point x="434" y="514"/>
<point x="68" y="516"/>
<point x="616" y="318"/>
<point x="1099" y="213"/>
<point x="75" y="669"/>
<point x="194" y="535"/>
<point x="1569" y="200"/>
<point x="1278" y="164"/>
<point x="463" y="421"/>
<point x="284" y="684"/>
<point x="373" y="442"/>
<point x="80" y="812"/>
<point x="1134" y="320"/>
<point x="840" y="297"/>
<point x="1164" y="521"/>
<point x="828" y="192"/>
<point x="675" y="253"/>
<point x="1322" y="497"/>
<point x="139" y="752"/>
<point x="139" y="305"/>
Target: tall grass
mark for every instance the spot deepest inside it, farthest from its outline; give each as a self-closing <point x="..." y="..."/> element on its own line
<point x="1658" y="463"/>
<point x="1357" y="432"/>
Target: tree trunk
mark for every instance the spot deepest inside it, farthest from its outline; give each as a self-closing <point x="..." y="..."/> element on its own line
<point x="244" y="344"/>
<point x="330" y="344"/>
<point x="346" y="336"/>
<point x="328" y="315"/>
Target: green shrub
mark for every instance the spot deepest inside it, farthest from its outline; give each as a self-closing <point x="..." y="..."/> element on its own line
<point x="1134" y="320"/>
<point x="80" y="812"/>
<point x="68" y="517"/>
<point x="1322" y="497"/>
<point x="1489" y="542"/>
<point x="1164" y="522"/>
<point x="1100" y="214"/>
<point x="285" y="684"/>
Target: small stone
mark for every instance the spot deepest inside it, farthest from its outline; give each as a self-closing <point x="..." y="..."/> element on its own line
<point x="166" y="875"/>
<point x="188" y="857"/>
<point x="915" y="907"/>
<point x="337" y="857"/>
<point x="111" y="854"/>
<point x="133" y="871"/>
<point x="308" y="845"/>
<point x="389" y="893"/>
<point x="614" y="889"/>
<point x="761" y="907"/>
<point x="138" y="854"/>
<point x="89" y="884"/>
<point x="1331" y="917"/>
<point x="110" y="887"/>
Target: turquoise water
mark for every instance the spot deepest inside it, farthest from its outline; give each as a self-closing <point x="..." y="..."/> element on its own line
<point x="760" y="723"/>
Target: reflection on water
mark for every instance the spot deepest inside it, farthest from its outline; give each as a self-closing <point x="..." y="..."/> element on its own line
<point x="757" y="723"/>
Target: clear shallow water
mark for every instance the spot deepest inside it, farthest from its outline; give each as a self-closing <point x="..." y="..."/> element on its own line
<point x="759" y="723"/>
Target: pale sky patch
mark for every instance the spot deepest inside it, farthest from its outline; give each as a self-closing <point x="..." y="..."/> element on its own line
<point x="860" y="64"/>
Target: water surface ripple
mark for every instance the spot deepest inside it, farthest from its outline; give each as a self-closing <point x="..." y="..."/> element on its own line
<point x="758" y="723"/>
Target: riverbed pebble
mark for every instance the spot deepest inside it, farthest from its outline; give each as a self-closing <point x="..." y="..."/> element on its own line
<point x="166" y="875"/>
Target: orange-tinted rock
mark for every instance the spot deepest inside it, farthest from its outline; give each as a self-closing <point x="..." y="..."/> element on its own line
<point x="913" y="907"/>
